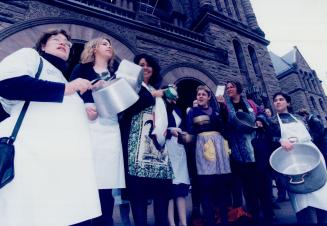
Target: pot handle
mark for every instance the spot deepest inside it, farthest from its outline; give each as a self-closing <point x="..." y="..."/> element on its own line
<point x="297" y="182"/>
<point x="293" y="139"/>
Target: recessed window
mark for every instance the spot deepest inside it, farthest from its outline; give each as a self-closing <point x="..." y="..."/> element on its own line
<point x="254" y="61"/>
<point x="236" y="10"/>
<point x="313" y="102"/>
<point x="241" y="60"/>
<point x="229" y="11"/>
<point x="322" y="105"/>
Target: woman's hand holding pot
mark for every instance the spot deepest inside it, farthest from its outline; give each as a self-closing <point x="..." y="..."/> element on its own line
<point x="99" y="84"/>
<point x="91" y="112"/>
<point x="175" y="131"/>
<point x="78" y="85"/>
<point x="157" y="93"/>
<point x="286" y="144"/>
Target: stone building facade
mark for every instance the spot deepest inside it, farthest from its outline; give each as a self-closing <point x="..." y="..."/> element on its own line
<point x="196" y="41"/>
<point x="301" y="82"/>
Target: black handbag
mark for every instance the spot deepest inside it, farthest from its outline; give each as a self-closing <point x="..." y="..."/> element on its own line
<point x="7" y="149"/>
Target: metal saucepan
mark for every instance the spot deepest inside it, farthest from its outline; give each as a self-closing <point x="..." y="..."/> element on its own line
<point x="301" y="169"/>
<point x="243" y="122"/>
<point x="113" y="97"/>
<point x="132" y="73"/>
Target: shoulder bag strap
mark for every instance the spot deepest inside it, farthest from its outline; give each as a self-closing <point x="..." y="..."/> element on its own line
<point x="24" y="109"/>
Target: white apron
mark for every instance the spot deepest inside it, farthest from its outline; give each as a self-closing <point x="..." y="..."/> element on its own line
<point x="317" y="199"/>
<point x="55" y="182"/>
<point x="107" y="153"/>
<point x="177" y="156"/>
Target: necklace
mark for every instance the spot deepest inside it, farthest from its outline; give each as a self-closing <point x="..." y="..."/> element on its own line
<point x="104" y="75"/>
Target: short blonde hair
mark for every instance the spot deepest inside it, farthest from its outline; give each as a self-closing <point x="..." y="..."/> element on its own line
<point x="88" y="55"/>
<point x="204" y="88"/>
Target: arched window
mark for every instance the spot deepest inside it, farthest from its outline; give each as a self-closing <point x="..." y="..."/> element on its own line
<point x="313" y="102"/>
<point x="229" y="11"/>
<point x="314" y="85"/>
<point x="305" y="83"/>
<point x="241" y="60"/>
<point x="322" y="105"/>
<point x="255" y="61"/>
<point x="310" y="84"/>
<point x="236" y="10"/>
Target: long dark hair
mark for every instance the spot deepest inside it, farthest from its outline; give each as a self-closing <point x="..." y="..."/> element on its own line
<point x="46" y="35"/>
<point x="155" y="79"/>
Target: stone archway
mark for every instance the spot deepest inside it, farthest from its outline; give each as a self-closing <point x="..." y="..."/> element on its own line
<point x="187" y="79"/>
<point x="177" y="73"/>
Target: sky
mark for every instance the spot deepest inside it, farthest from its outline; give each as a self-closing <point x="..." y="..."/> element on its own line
<point x="301" y="23"/>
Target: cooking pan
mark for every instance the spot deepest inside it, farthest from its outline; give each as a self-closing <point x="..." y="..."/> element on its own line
<point x="114" y="97"/>
<point x="243" y="122"/>
<point x="301" y="169"/>
<point x="132" y="73"/>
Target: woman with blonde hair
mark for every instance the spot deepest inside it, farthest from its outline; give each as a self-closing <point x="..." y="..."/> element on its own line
<point x="96" y="60"/>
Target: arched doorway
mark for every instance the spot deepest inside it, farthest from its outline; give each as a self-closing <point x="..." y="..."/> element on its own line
<point x="186" y="88"/>
<point x="187" y="92"/>
<point x="74" y="57"/>
<point x="187" y="78"/>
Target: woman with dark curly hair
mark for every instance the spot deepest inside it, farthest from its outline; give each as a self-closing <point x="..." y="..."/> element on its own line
<point x="149" y="172"/>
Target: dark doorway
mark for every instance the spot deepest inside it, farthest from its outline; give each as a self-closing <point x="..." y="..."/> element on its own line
<point x="187" y="93"/>
<point x="75" y="56"/>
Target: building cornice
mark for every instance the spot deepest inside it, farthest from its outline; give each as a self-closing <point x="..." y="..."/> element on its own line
<point x="213" y="53"/>
<point x="287" y="72"/>
<point x="308" y="91"/>
<point x="230" y="24"/>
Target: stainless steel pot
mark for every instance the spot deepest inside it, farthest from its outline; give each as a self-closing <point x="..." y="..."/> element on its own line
<point x="132" y="73"/>
<point x="243" y="122"/>
<point x="301" y="169"/>
<point x="114" y="97"/>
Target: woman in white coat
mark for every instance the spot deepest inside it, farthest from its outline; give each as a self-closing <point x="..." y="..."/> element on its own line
<point x="96" y="61"/>
<point x="310" y="207"/>
<point x="54" y="182"/>
<point x="177" y="156"/>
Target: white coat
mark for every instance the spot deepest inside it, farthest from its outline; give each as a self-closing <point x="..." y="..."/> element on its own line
<point x="55" y="182"/>
<point x="107" y="153"/>
<point x="177" y="156"/>
<point x="317" y="199"/>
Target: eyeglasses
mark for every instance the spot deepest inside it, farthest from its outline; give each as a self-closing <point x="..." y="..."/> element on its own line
<point x="106" y="44"/>
<point x="58" y="41"/>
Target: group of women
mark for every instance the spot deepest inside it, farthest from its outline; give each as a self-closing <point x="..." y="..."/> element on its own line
<point x="68" y="159"/>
